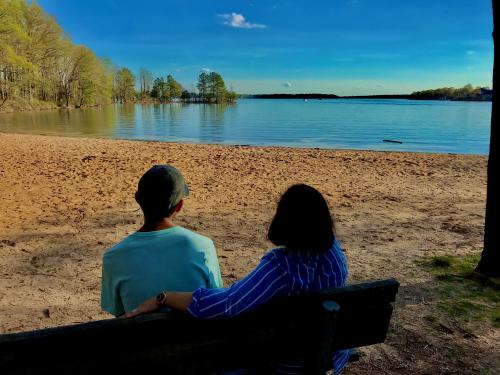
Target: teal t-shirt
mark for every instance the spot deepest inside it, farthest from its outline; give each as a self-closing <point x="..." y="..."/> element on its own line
<point x="146" y="263"/>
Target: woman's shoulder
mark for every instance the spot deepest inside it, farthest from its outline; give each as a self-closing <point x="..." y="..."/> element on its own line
<point x="282" y="257"/>
<point x="275" y="254"/>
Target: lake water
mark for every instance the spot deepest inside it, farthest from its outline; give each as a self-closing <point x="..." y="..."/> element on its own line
<point x="422" y="126"/>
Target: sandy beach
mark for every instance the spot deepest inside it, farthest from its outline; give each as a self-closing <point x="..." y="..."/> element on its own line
<point x="64" y="201"/>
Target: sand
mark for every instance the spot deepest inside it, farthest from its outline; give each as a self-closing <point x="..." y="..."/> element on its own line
<point x="64" y="201"/>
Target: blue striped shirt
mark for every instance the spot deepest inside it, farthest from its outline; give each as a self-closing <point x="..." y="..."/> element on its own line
<point x="280" y="273"/>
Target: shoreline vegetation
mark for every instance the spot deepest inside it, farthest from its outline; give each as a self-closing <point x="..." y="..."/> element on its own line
<point x="164" y="91"/>
<point x="41" y="68"/>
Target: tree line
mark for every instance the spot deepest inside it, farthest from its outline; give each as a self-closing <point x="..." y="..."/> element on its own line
<point x="468" y="92"/>
<point x="40" y="64"/>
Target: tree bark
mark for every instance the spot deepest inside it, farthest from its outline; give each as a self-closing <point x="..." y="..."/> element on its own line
<point x="489" y="265"/>
<point x="4" y="100"/>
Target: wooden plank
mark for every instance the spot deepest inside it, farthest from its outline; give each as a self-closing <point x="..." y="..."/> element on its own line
<point x="285" y="328"/>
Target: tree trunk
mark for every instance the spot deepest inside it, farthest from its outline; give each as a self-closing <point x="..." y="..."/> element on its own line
<point x="489" y="265"/>
<point x="4" y="100"/>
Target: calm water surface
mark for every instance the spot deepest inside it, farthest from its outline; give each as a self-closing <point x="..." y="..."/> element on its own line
<point x="423" y="126"/>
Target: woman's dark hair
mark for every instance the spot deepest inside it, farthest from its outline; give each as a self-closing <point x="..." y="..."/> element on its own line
<point x="302" y="221"/>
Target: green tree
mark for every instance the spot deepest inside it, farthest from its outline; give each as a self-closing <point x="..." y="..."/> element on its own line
<point x="92" y="84"/>
<point x="466" y="92"/>
<point x="145" y="80"/>
<point x="212" y="88"/>
<point x="105" y="81"/>
<point x="173" y="89"/>
<point x="67" y="69"/>
<point x="85" y="87"/>
<point x="231" y="96"/>
<point x="217" y="87"/>
<point x="158" y="88"/>
<point x="14" y="63"/>
<point x="124" y="85"/>
<point x="38" y="60"/>
<point x="203" y="86"/>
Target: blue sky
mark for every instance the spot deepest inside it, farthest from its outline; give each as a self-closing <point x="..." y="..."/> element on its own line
<point x="347" y="47"/>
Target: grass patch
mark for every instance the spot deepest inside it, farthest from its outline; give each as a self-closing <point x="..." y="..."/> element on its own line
<point x="441" y="261"/>
<point x="461" y="295"/>
<point x="431" y="318"/>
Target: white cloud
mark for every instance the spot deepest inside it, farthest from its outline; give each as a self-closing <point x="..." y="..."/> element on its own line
<point x="206" y="70"/>
<point x="238" y="20"/>
<point x="287" y="84"/>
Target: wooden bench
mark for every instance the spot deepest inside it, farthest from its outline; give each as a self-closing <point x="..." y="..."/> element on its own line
<point x="307" y="326"/>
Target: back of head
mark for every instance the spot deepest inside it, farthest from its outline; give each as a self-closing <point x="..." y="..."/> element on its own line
<point x="302" y="221"/>
<point x="160" y="189"/>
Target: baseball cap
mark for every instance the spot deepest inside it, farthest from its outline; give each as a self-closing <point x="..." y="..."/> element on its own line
<point x="160" y="189"/>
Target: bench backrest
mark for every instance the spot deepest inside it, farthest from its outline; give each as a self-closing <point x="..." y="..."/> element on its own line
<point x="307" y="326"/>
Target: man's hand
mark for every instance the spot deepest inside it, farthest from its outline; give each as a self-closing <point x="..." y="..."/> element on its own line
<point x="147" y="306"/>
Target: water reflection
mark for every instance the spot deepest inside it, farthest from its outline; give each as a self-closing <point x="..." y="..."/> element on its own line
<point x="80" y="122"/>
<point x="125" y="113"/>
<point x="173" y="120"/>
<point x="91" y="121"/>
<point x="212" y="122"/>
<point x="430" y="126"/>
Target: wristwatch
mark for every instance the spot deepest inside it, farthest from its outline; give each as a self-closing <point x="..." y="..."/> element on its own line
<point x="161" y="299"/>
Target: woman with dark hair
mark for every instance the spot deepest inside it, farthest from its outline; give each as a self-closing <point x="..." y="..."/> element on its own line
<point x="309" y="258"/>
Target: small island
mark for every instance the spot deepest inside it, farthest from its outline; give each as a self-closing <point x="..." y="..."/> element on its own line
<point x="211" y="89"/>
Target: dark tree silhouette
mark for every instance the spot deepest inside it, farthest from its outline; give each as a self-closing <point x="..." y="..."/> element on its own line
<point x="489" y="265"/>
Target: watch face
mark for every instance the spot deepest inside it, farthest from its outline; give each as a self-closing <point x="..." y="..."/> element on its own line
<point x="160" y="298"/>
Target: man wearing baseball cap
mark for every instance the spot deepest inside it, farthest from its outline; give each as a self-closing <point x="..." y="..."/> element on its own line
<point x="160" y="255"/>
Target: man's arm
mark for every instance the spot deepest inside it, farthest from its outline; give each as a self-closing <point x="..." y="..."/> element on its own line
<point x="110" y="296"/>
<point x="212" y="263"/>
<point x="255" y="289"/>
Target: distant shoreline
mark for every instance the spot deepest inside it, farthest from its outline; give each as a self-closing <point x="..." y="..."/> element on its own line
<point x="333" y="96"/>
